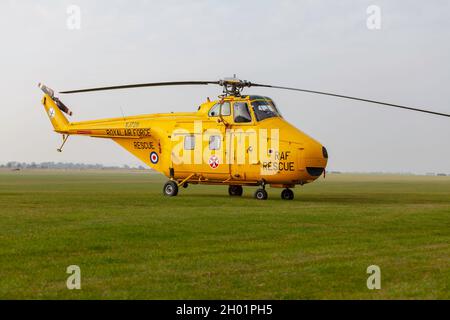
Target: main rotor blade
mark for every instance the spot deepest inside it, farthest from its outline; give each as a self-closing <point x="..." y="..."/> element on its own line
<point x="142" y="85"/>
<point x="352" y="98"/>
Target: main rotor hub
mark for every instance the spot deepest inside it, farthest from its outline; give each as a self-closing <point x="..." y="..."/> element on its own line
<point x="233" y="86"/>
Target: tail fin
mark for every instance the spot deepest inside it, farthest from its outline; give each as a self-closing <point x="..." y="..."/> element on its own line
<point x="55" y="108"/>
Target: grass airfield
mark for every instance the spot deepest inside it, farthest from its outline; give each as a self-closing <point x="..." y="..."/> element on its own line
<point x="133" y="243"/>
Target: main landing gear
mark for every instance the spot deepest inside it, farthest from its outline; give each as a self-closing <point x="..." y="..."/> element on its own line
<point x="235" y="190"/>
<point x="170" y="188"/>
<point x="261" y="194"/>
<point x="287" y="194"/>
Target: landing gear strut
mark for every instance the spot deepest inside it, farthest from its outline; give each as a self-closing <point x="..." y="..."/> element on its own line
<point x="235" y="190"/>
<point x="170" y="188"/>
<point x="287" y="194"/>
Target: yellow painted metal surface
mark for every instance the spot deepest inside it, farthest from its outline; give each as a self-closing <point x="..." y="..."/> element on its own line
<point x="158" y="140"/>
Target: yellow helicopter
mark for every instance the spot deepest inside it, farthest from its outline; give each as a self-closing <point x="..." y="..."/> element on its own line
<point x="238" y="140"/>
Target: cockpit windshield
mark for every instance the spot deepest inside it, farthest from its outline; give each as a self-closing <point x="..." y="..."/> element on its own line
<point x="264" y="109"/>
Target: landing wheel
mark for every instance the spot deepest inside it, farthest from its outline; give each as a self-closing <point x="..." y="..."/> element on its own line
<point x="287" y="194"/>
<point x="185" y="185"/>
<point x="261" y="194"/>
<point x="170" y="189"/>
<point x="235" y="190"/>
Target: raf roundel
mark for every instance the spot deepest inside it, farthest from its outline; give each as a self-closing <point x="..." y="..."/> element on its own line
<point x="154" y="157"/>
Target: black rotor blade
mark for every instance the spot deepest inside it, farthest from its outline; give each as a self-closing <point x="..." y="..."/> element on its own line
<point x="142" y="85"/>
<point x="352" y="98"/>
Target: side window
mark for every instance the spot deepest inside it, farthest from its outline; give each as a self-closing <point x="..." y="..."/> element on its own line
<point x="214" y="111"/>
<point x="189" y="142"/>
<point x="226" y="109"/>
<point x="241" y="113"/>
<point x="214" y="142"/>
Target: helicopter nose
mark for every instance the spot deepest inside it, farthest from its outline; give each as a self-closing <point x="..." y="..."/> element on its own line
<point x="315" y="159"/>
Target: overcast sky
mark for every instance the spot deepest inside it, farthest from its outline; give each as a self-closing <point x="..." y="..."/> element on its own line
<point x="319" y="45"/>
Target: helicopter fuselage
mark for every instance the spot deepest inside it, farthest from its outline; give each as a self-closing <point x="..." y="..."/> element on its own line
<point x="239" y="140"/>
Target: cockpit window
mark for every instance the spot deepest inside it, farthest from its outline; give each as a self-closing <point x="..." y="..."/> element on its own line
<point x="241" y="112"/>
<point x="264" y="109"/>
<point x="216" y="109"/>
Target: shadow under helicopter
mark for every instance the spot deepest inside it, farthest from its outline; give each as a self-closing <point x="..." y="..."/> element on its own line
<point x="332" y="199"/>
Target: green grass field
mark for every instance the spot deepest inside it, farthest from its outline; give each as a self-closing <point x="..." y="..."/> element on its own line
<point x="131" y="242"/>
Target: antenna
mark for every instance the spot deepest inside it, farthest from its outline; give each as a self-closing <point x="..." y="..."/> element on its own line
<point x="123" y="116"/>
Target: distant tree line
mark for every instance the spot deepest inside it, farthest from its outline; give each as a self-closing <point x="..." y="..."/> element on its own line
<point x="63" y="165"/>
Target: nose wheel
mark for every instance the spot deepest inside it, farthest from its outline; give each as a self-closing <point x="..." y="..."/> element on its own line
<point x="287" y="194"/>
